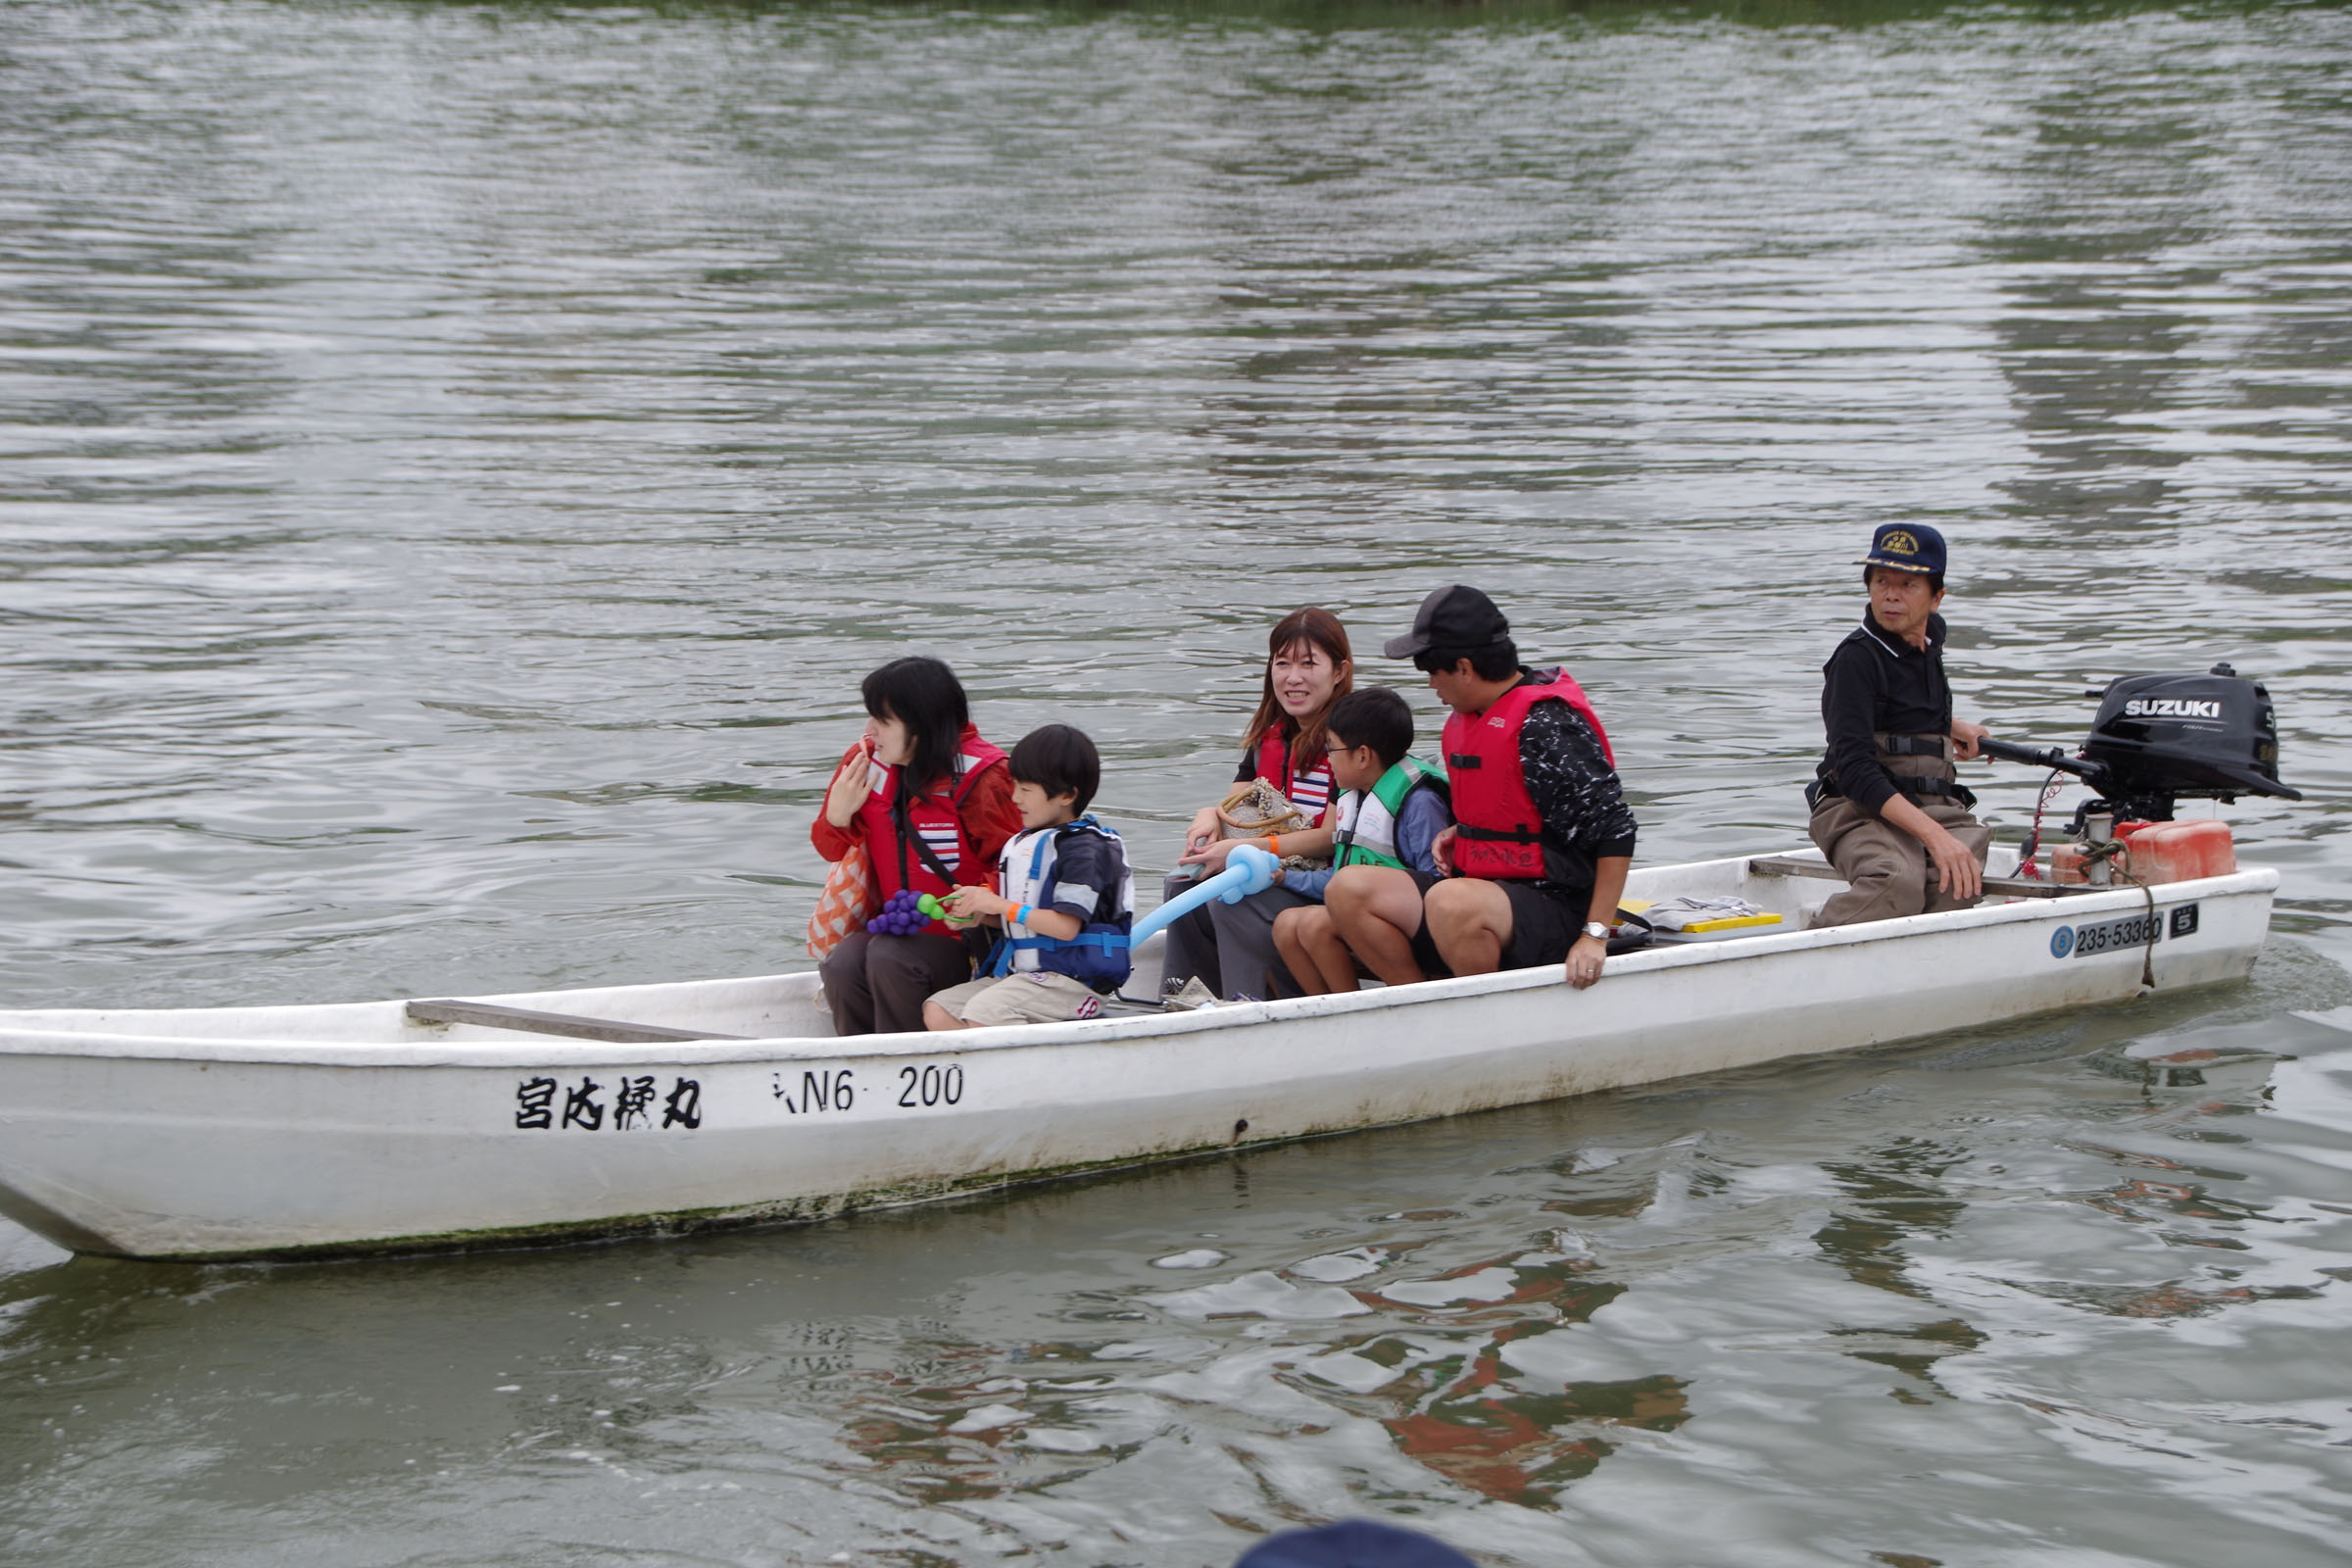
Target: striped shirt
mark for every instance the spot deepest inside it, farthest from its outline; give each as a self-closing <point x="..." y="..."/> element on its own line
<point x="1310" y="790"/>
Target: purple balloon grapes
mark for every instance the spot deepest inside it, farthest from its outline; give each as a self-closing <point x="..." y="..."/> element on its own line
<point x="900" y="918"/>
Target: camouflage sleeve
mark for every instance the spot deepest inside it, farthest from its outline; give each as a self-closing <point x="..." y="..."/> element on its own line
<point x="1571" y="781"/>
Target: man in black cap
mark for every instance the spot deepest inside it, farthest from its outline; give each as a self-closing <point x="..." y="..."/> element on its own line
<point x="1889" y="808"/>
<point x="1543" y="837"/>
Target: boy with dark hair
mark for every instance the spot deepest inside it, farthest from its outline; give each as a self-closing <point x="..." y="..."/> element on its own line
<point x="1067" y="904"/>
<point x="1383" y="854"/>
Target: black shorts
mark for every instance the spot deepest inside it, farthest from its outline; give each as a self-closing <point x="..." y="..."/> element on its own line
<point x="1425" y="949"/>
<point x="1546" y="922"/>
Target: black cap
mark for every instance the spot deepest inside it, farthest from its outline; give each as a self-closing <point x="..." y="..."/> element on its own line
<point x="1459" y="618"/>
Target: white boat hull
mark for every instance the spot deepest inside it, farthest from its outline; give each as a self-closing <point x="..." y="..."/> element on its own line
<point x="328" y="1130"/>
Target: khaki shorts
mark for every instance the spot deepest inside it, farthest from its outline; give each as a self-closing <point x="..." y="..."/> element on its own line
<point x="1036" y="997"/>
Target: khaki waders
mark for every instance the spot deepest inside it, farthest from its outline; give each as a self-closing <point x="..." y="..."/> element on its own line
<point x="1888" y="872"/>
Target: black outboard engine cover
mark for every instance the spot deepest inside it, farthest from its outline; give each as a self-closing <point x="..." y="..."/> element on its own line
<point x="2210" y="736"/>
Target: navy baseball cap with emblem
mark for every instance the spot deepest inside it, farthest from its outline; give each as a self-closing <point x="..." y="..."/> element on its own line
<point x="1906" y="546"/>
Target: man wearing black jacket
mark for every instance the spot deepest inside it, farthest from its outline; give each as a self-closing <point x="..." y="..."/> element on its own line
<point x="1543" y="837"/>
<point x="1889" y="808"/>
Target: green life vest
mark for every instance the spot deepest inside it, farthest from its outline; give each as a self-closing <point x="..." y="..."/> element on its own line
<point x="1366" y="825"/>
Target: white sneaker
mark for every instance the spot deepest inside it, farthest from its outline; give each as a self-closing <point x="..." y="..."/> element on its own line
<point x="1189" y="996"/>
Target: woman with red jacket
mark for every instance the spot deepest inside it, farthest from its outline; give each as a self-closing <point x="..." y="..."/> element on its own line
<point x="1230" y="947"/>
<point x="932" y="802"/>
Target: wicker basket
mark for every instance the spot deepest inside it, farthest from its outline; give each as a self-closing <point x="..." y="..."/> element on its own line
<point x="1256" y="809"/>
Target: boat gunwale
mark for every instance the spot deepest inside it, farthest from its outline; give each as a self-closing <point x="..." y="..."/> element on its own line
<point x="1114" y="1029"/>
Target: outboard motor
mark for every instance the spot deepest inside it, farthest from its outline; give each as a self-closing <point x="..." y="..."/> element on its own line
<point x="2161" y="737"/>
<point x="2157" y="738"/>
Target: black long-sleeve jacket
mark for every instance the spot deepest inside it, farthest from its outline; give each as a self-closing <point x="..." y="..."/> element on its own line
<point x="1875" y="682"/>
<point x="1574" y="788"/>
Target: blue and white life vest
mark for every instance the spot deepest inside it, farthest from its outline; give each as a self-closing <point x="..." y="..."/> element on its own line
<point x="1096" y="955"/>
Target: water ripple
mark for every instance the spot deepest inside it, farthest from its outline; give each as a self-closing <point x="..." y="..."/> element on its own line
<point x="455" y="463"/>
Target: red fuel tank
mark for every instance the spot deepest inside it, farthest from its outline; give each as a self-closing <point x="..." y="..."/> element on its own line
<point x="2156" y="853"/>
<point x="2179" y="852"/>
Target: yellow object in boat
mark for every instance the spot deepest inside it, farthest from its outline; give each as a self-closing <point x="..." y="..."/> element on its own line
<point x="1732" y="923"/>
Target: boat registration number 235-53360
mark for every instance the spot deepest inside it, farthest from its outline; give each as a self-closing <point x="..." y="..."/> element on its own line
<point x="2131" y="931"/>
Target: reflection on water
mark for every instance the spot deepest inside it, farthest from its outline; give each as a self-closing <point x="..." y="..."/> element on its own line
<point x="459" y="461"/>
<point x="1897" y="1194"/>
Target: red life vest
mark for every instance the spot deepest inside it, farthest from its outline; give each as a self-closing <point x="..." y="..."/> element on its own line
<point x="1274" y="767"/>
<point x="937" y="821"/>
<point x="1503" y="837"/>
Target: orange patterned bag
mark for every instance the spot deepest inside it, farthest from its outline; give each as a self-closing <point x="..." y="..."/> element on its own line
<point x="845" y="903"/>
<point x="847" y="899"/>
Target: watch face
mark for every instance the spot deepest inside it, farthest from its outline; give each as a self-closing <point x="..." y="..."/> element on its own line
<point x="1593" y="928"/>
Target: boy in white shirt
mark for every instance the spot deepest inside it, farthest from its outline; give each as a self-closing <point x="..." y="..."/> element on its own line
<point x="1068" y="904"/>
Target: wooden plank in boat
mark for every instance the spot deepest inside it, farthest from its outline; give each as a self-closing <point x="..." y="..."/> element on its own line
<point x="2015" y="887"/>
<point x="493" y="1016"/>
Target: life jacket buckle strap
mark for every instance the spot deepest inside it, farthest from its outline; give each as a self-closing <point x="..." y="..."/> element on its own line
<point x="1941" y="788"/>
<point x="1501" y="835"/>
<point x="1107" y="941"/>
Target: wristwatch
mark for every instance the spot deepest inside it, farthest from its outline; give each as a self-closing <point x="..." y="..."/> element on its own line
<point x="1595" y="930"/>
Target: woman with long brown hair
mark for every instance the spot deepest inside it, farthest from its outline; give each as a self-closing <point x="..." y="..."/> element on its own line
<point x="1230" y="947"/>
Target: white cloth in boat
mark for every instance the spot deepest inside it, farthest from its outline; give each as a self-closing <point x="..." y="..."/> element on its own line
<point x="1677" y="914"/>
